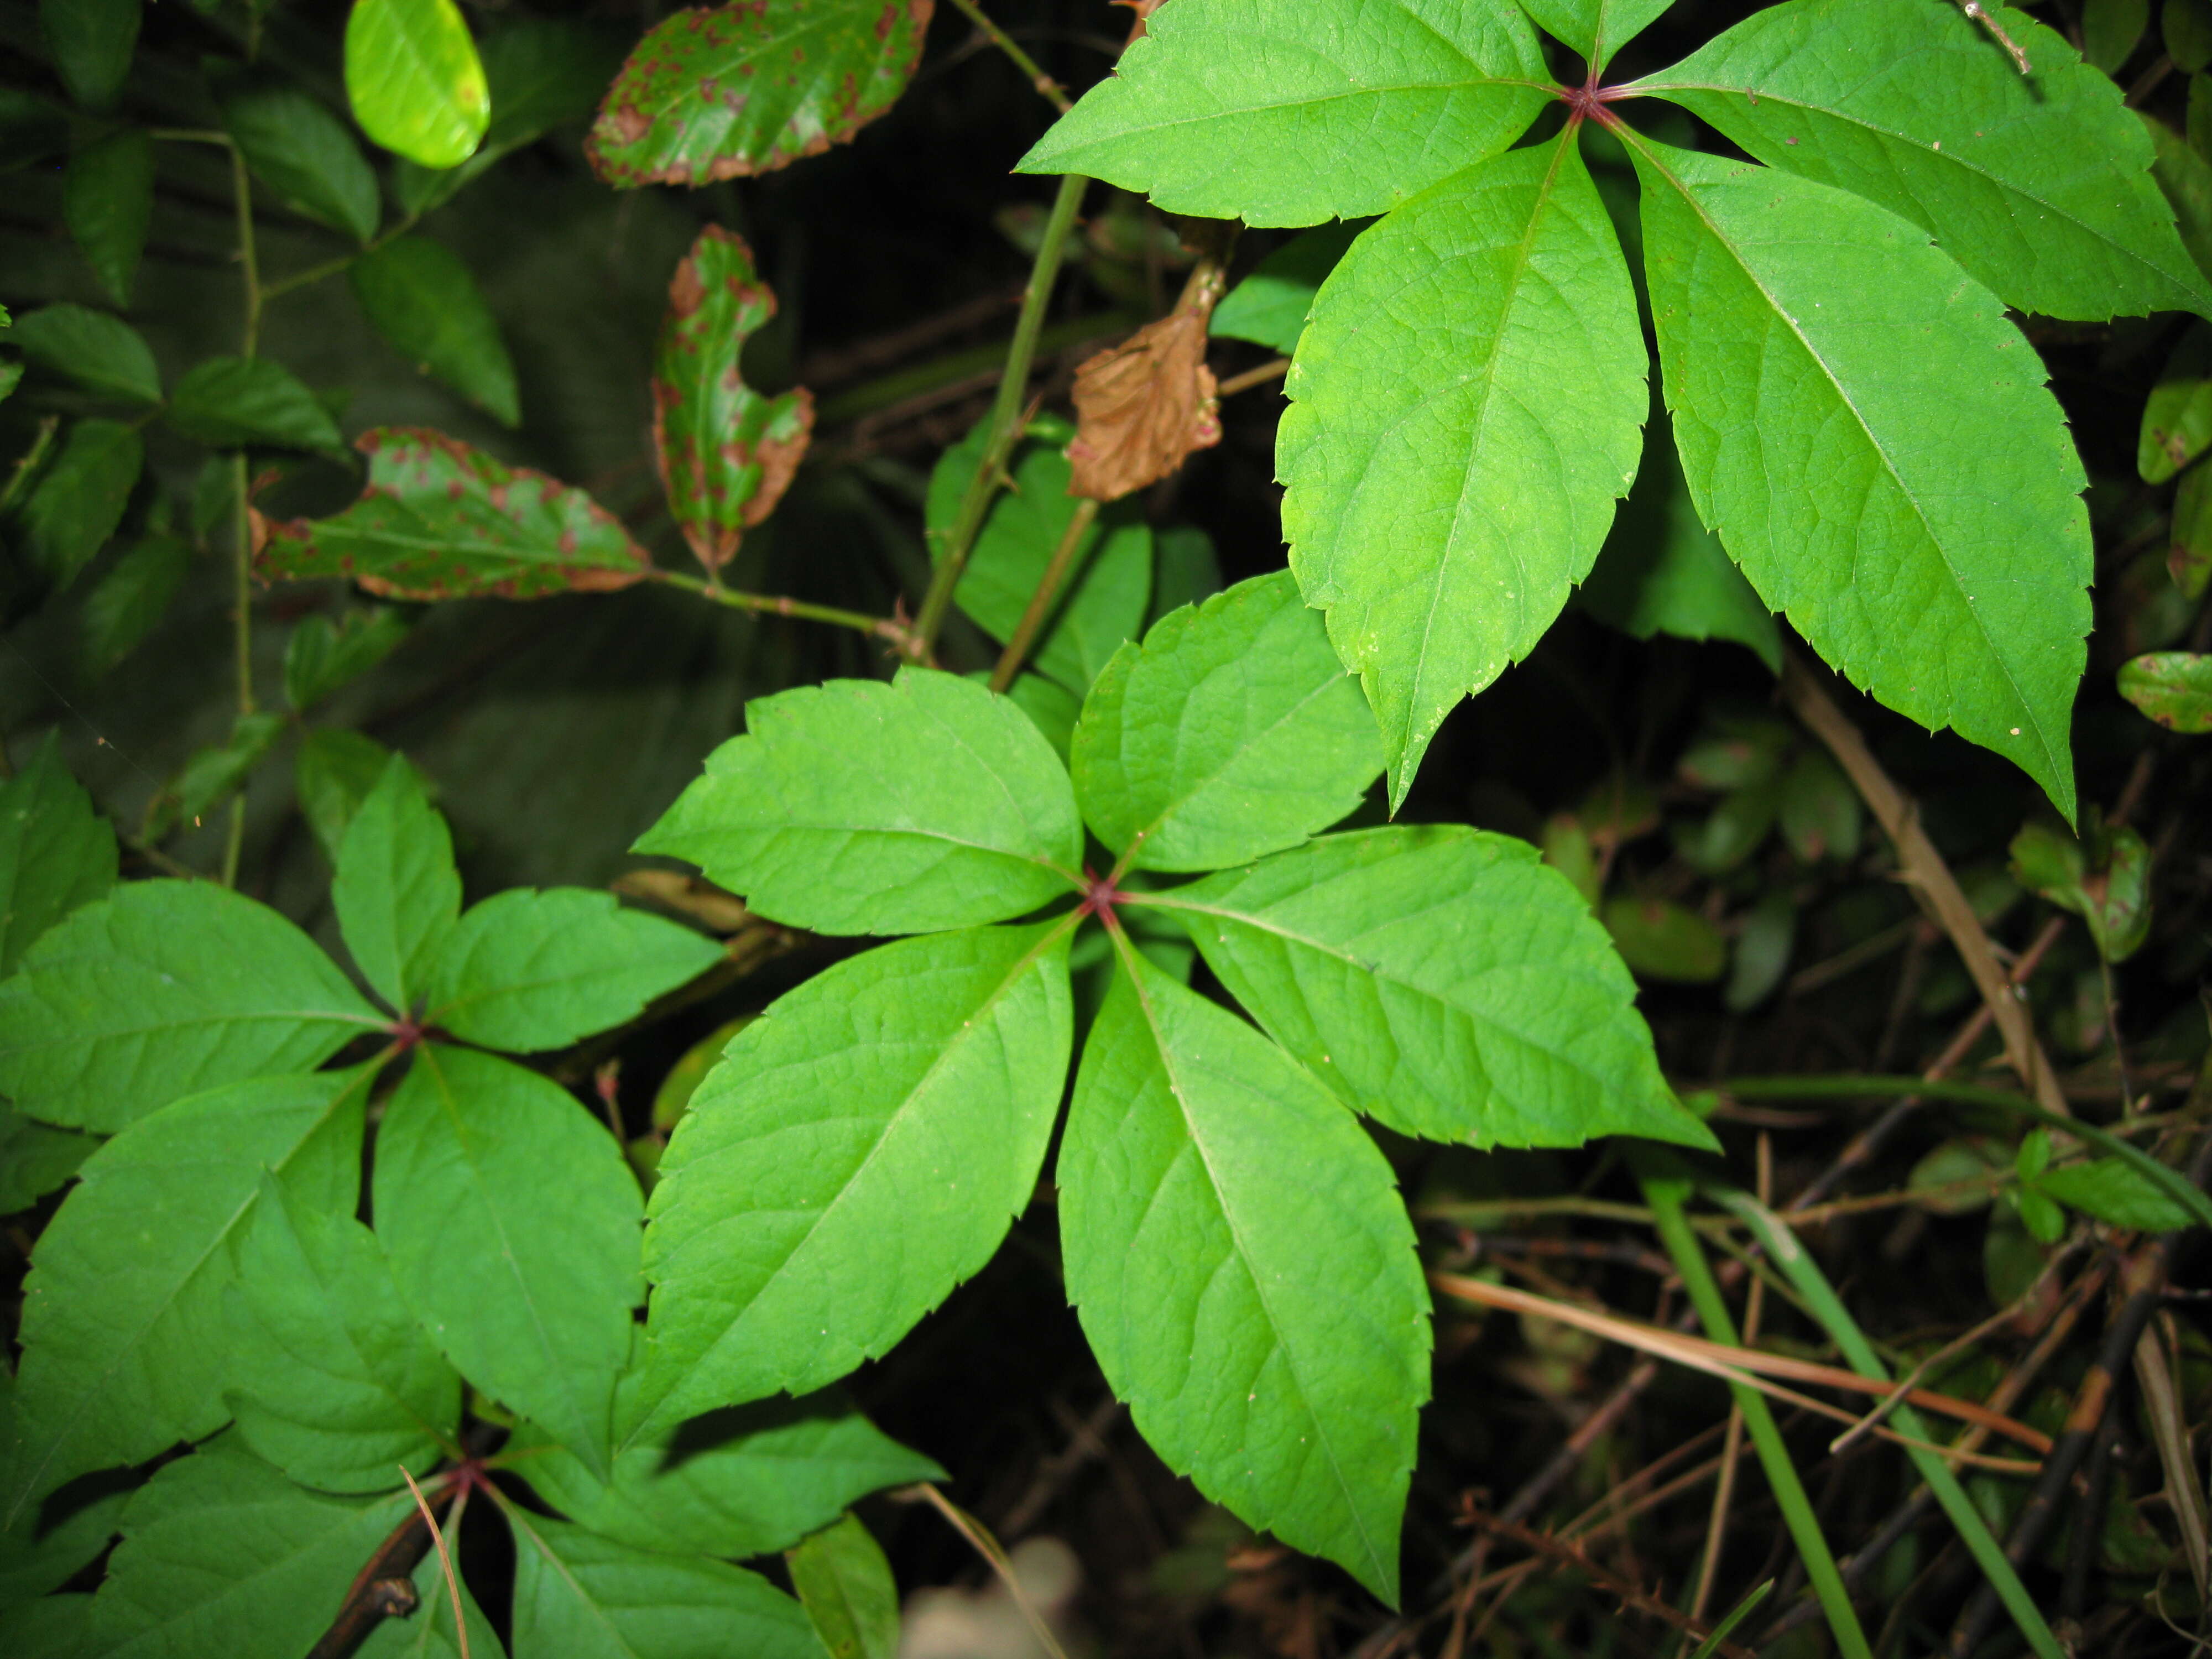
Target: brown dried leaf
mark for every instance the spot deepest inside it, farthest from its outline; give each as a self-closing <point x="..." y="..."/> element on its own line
<point x="1142" y="406"/>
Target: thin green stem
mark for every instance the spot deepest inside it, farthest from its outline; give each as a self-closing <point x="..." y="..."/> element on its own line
<point x="1041" y="602"/>
<point x="1006" y="426"/>
<point x="242" y="539"/>
<point x="242" y="188"/>
<point x="313" y="274"/>
<point x="776" y="605"/>
<point x="1046" y="86"/>
<point x="192" y="135"/>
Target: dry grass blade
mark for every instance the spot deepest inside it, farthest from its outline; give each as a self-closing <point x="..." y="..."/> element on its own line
<point x="444" y="1564"/>
<point x="2169" y="1429"/>
<point x="980" y="1540"/>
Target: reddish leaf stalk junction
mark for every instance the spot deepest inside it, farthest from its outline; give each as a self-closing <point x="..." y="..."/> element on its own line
<point x="1100" y="895"/>
<point x="1589" y="99"/>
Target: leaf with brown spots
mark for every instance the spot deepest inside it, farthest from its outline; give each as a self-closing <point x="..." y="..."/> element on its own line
<point x="2173" y="688"/>
<point x="439" y="521"/>
<point x="727" y="453"/>
<point x="724" y="92"/>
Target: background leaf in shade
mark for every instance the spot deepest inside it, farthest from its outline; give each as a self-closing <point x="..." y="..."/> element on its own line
<point x="56" y="853"/>
<point x="414" y="80"/>
<point x="102" y="354"/>
<point x="422" y="299"/>
<point x="228" y="403"/>
<point x="323" y="656"/>
<point x="332" y="773"/>
<point x="2173" y="688"/>
<point x="80" y="498"/>
<point x="845" y="1586"/>
<point x="92" y="41"/>
<point x="131" y="599"/>
<point x="1269" y="307"/>
<point x="108" y="202"/>
<point x="303" y="153"/>
<point x="211" y="776"/>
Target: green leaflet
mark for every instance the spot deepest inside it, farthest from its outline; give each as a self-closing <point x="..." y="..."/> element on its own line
<point x="1269" y="307"/>
<point x="527" y="970"/>
<point x="56" y="852"/>
<point x="162" y="989"/>
<point x="1823" y="366"/>
<point x="736" y="1483"/>
<point x="51" y="1627"/>
<point x="2176" y="420"/>
<point x="212" y="774"/>
<point x="123" y="1323"/>
<point x="304" y="154"/>
<point x="1433" y="507"/>
<point x="1103" y="595"/>
<point x="858" y="808"/>
<point x="439" y="521"/>
<point x="107" y="200"/>
<point x="1595" y="28"/>
<point x="511" y="1222"/>
<point x="333" y="772"/>
<point x="1049" y="705"/>
<point x="131" y="598"/>
<point x="1281" y="112"/>
<point x="894" y="1107"/>
<point x="422" y="299"/>
<point x="2111" y="1190"/>
<point x="580" y="1597"/>
<point x="2173" y="688"/>
<point x="33" y="1566"/>
<point x="1442" y="980"/>
<point x="34" y="1159"/>
<point x="1232" y="732"/>
<point x="323" y="657"/>
<point x="396" y="893"/>
<point x="846" y="1587"/>
<point x="221" y="1555"/>
<point x="1243" y="1267"/>
<point x="92" y="42"/>
<point x="727" y="453"/>
<point x="103" y="354"/>
<point x="413" y="79"/>
<point x="742" y="89"/>
<point x="227" y="403"/>
<point x="1662" y="572"/>
<point x="80" y="498"/>
<point x="1661" y="939"/>
<point x="2039" y="185"/>
<point x="330" y="1377"/>
<point x="428" y="1633"/>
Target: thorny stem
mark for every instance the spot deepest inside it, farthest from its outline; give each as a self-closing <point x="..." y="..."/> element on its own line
<point x="1048" y="590"/>
<point x="777" y="605"/>
<point x="1048" y="89"/>
<point x="1005" y="425"/>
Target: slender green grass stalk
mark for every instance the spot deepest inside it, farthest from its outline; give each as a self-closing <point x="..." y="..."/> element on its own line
<point x="1736" y="1615"/>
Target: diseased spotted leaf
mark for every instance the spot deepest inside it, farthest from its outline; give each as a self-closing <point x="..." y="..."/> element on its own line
<point x="396" y="892"/>
<point x="2039" y="185"/>
<point x="1145" y="406"/>
<point x="2173" y="688"/>
<point x="102" y="354"/>
<point x="527" y="970"/>
<point x="511" y="1222"/>
<point x="1269" y="307"/>
<point x="108" y="202"/>
<point x="304" y="154"/>
<point x="1281" y="113"/>
<point x="1822" y="364"/>
<point x="730" y="91"/>
<point x="92" y="41"/>
<point x="1232" y="732"/>
<point x="859" y="807"/>
<point x="727" y="453"/>
<point x="131" y="598"/>
<point x="80" y="498"/>
<point x="414" y="81"/>
<point x="56" y="852"/>
<point x="1432" y="505"/>
<point x="1595" y="28"/>
<point x="895" y="1106"/>
<point x="439" y="521"/>
<point x="34" y="1159"/>
<point x="162" y="989"/>
<point x="1445" y="981"/>
<point x="123" y="1333"/>
<point x="2176" y="420"/>
<point x="845" y="1586"/>
<point x="423" y="301"/>
<point x="1244" y="1269"/>
<point x="1661" y="940"/>
<point x="579" y="1597"/>
<point x="742" y="1482"/>
<point x="221" y="1554"/>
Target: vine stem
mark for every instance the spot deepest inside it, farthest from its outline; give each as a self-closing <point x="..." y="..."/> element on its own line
<point x="1006" y="423"/>
<point x="242" y="539"/>
<point x="1048" y="590"/>
<point x="1048" y="88"/>
<point x="777" y="605"/>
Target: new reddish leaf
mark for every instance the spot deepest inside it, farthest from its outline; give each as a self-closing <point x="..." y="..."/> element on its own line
<point x="439" y="521"/>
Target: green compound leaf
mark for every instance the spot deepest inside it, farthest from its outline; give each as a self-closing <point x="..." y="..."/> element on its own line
<point x="1269" y="307"/>
<point x="56" y="854"/>
<point x="1595" y="28"/>
<point x="726" y="454"/>
<point x="227" y="403"/>
<point x="1281" y="113"/>
<point x="1662" y="572"/>
<point x="858" y="808"/>
<point x="1232" y="732"/>
<point x="129" y="601"/>
<point x="2039" y="185"/>
<point x="108" y="202"/>
<point x="845" y="1586"/>
<point x="2113" y="1190"/>
<point x="103" y="354"/>
<point x="92" y="41"/>
<point x="577" y="1596"/>
<point x="123" y="1333"/>
<point x="396" y="893"/>
<point x="81" y="499"/>
<point x="303" y="154"/>
<point x="2173" y="688"/>
<point x="741" y="89"/>
<point x="35" y="1159"/>
<point x="422" y="299"/>
<point x="328" y="1374"/>
<point x="323" y="656"/>
<point x="1823" y="365"/>
<point x="413" y="79"/>
<point x="1243" y="1267"/>
<point x="439" y="521"/>
<point x="511" y="1221"/>
<point x="221" y="1554"/>
<point x="1108" y="584"/>
<point x="895" y="1107"/>
<point x="1445" y="981"/>
<point x="527" y="970"/>
<point x="428" y="1633"/>
<point x="737" y="1483"/>
<point x="163" y="989"/>
<point x="1433" y="507"/>
<point x="2177" y="421"/>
